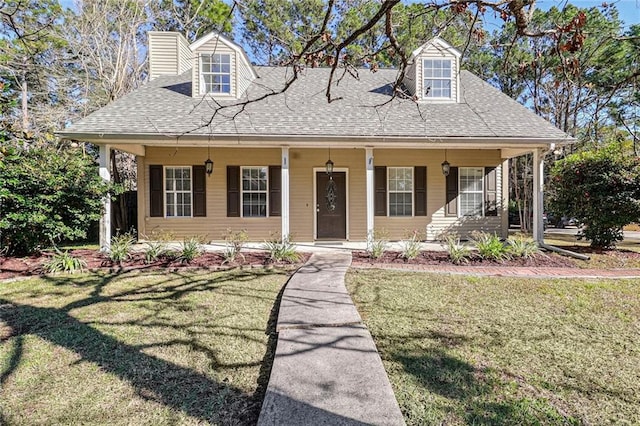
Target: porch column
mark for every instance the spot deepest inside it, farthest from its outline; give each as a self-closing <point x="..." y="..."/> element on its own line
<point x="105" y="221"/>
<point x="504" y="204"/>
<point x="538" y="188"/>
<point x="284" y="194"/>
<point x="370" y="194"/>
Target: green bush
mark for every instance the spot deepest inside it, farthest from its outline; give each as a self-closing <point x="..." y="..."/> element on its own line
<point x="410" y="246"/>
<point x="281" y="249"/>
<point x="121" y="246"/>
<point x="48" y="193"/>
<point x="522" y="246"/>
<point x="600" y="188"/>
<point x="63" y="261"/>
<point x="458" y="253"/>
<point x="190" y="250"/>
<point x="155" y="250"/>
<point x="489" y="246"/>
<point x="377" y="246"/>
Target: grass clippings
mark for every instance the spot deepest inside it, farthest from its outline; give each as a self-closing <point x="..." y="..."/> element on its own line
<point x="139" y="348"/>
<point x="468" y="350"/>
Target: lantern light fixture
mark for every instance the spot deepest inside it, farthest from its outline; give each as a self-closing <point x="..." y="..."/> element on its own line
<point x="446" y="167"/>
<point x="208" y="165"/>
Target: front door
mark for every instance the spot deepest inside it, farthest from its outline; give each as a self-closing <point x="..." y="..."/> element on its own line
<point x="331" y="206"/>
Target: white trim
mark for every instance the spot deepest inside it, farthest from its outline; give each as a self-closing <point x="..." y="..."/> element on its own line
<point x="315" y="199"/>
<point x="164" y="191"/>
<point x="242" y="193"/>
<point x="439" y="44"/>
<point x="538" y="194"/>
<point x="370" y="187"/>
<point x="401" y="192"/>
<point x="459" y="201"/>
<point x="105" y="219"/>
<point x="452" y="68"/>
<point x="284" y="193"/>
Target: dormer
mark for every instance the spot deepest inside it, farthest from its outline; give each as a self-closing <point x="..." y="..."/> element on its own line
<point x="433" y="73"/>
<point x="221" y="68"/>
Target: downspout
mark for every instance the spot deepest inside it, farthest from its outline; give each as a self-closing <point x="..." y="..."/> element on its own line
<point x="539" y="210"/>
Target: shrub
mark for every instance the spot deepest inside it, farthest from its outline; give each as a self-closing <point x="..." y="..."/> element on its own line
<point x="458" y="253"/>
<point x="63" y="261"/>
<point x="522" y="246"/>
<point x="281" y="249"/>
<point x="155" y="250"/>
<point x="234" y="243"/>
<point x="489" y="246"/>
<point x="190" y="250"/>
<point x="120" y="248"/>
<point x="601" y="189"/>
<point x="377" y="245"/>
<point x="410" y="247"/>
<point x="48" y="193"/>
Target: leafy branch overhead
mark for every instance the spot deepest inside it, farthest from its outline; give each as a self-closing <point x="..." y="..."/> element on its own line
<point x="347" y="35"/>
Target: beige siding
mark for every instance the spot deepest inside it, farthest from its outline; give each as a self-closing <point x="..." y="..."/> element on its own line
<point x="216" y="223"/>
<point x="244" y="76"/>
<point x="435" y="222"/>
<point x="185" y="55"/>
<point x="163" y="58"/>
<point x="432" y="52"/>
<point x="302" y="192"/>
<point x="302" y="201"/>
<point x="409" y="79"/>
<point x="213" y="46"/>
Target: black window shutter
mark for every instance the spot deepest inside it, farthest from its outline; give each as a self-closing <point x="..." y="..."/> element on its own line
<point x="420" y="190"/>
<point x="275" y="191"/>
<point x="233" y="191"/>
<point x="490" y="191"/>
<point x="451" y="208"/>
<point x="155" y="193"/>
<point x="199" y="192"/>
<point x="380" y="185"/>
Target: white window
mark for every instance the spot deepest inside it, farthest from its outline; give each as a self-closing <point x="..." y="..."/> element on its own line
<point x="400" y="191"/>
<point x="471" y="184"/>
<point x="254" y="191"/>
<point x="216" y="73"/>
<point x="437" y="78"/>
<point x="178" y="191"/>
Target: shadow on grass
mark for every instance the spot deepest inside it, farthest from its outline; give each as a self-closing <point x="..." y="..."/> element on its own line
<point x="154" y="379"/>
<point x="476" y="393"/>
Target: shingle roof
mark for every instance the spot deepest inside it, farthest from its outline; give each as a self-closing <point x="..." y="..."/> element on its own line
<point x="164" y="106"/>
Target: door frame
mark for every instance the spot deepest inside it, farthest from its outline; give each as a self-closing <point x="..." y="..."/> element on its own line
<point x="315" y="198"/>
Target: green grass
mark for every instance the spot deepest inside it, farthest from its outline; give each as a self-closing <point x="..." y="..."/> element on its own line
<point x="156" y="349"/>
<point x="469" y="350"/>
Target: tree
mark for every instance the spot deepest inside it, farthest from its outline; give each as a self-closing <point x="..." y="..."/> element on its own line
<point x="194" y="18"/>
<point x="50" y="192"/>
<point x="601" y="188"/>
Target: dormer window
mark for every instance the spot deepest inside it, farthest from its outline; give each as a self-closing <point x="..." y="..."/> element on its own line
<point x="437" y="78"/>
<point x="216" y="73"/>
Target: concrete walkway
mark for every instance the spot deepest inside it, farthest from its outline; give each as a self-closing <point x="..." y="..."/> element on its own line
<point x="326" y="370"/>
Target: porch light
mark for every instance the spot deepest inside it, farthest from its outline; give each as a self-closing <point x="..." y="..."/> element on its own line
<point x="446" y="168"/>
<point x="208" y="166"/>
<point x="329" y="166"/>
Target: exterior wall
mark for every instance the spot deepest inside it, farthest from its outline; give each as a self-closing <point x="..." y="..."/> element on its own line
<point x="169" y="54"/>
<point x="435" y="222"/>
<point x="302" y="163"/>
<point x="302" y="204"/>
<point x="432" y="52"/>
<point x="216" y="223"/>
<point x="409" y="79"/>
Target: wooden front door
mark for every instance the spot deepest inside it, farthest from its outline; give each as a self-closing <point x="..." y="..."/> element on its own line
<point x="331" y="211"/>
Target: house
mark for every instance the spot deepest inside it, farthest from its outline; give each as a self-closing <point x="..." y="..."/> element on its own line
<point x="208" y="160"/>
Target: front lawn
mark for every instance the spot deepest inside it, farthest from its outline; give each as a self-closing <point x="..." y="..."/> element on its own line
<point x="138" y="348"/>
<point x="469" y="350"/>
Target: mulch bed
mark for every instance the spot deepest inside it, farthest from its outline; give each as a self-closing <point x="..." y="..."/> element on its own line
<point x="552" y="260"/>
<point x="11" y="267"/>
